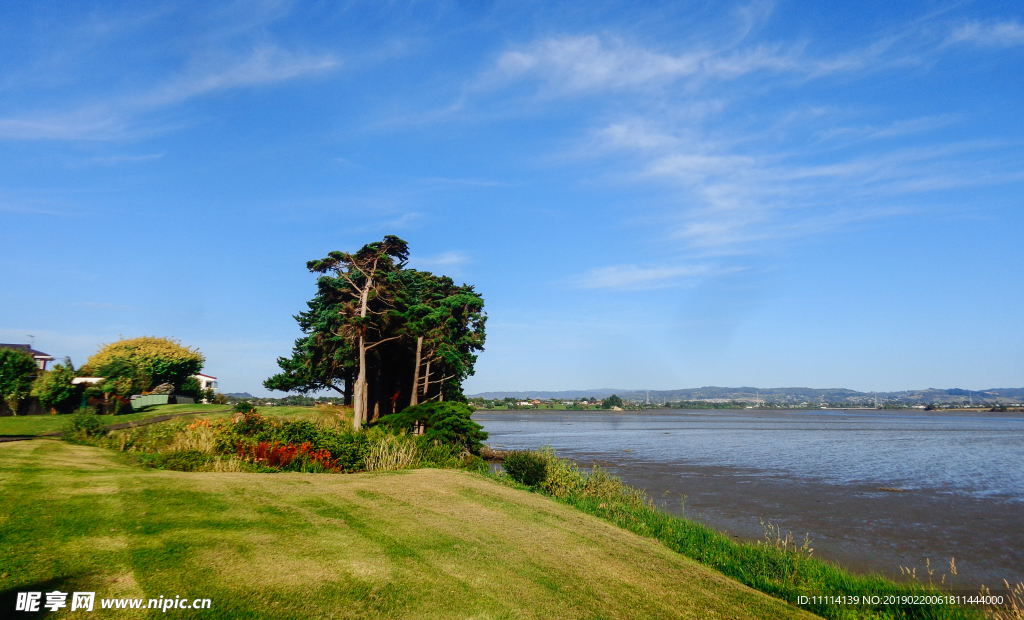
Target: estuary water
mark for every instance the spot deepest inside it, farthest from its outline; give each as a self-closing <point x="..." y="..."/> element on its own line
<point x="875" y="490"/>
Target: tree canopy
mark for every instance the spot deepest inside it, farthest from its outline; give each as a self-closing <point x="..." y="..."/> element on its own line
<point x="17" y="371"/>
<point x="137" y="364"/>
<point x="54" y="389"/>
<point x="612" y="401"/>
<point x="384" y="335"/>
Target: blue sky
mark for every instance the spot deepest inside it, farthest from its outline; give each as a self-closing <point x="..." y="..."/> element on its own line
<point x="648" y="195"/>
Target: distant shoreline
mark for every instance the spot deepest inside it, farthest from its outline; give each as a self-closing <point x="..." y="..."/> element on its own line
<point x="545" y="410"/>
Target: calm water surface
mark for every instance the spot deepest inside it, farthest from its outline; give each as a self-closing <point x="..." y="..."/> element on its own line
<point x="819" y="472"/>
<point x="976" y="454"/>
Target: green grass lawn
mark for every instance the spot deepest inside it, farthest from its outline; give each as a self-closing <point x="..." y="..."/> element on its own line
<point x="415" y="544"/>
<point x="40" y="424"/>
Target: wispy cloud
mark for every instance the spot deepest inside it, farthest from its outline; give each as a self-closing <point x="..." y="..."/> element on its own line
<point x="990" y="34"/>
<point x="117" y="159"/>
<point x="636" y="277"/>
<point x="739" y="183"/>
<point x="452" y="258"/>
<point x="101" y="305"/>
<point x="264" y="66"/>
<point x="120" y="116"/>
<point x="580" y="64"/>
<point x="467" y="182"/>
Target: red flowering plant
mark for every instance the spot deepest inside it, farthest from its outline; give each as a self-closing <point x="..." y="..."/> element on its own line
<point x="287" y="456"/>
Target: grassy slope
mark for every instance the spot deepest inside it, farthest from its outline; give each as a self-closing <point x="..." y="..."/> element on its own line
<point x="415" y="544"/>
<point x="39" y="424"/>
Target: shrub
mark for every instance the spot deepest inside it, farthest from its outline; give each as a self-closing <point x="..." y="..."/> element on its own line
<point x="251" y="424"/>
<point x="84" y="422"/>
<point x="244" y="406"/>
<point x="446" y="422"/>
<point x="525" y="467"/>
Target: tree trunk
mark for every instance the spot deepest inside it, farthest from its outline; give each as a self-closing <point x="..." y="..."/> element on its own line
<point x="376" y="395"/>
<point x="416" y="374"/>
<point x="426" y="383"/>
<point x="348" y="388"/>
<point x="359" y="404"/>
<point x="359" y="410"/>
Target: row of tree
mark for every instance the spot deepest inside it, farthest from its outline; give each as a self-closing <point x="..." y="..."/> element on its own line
<point x="383" y="335"/>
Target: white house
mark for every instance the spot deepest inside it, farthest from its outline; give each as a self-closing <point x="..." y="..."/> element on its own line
<point x="40" y="357"/>
<point x="206" y="382"/>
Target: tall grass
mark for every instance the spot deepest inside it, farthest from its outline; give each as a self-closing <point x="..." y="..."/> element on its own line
<point x="391" y="452"/>
<point x="1013" y="609"/>
<point x="199" y="436"/>
<point x="778" y="565"/>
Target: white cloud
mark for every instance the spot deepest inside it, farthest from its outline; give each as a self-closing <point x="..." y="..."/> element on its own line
<point x="117" y="159"/>
<point x="445" y="259"/>
<point x="635" y="277"/>
<point x="586" y="63"/>
<point x="990" y="34"/>
<point x="119" y="116"/>
<point x="264" y="66"/>
<point x="468" y="182"/>
<point x="741" y="192"/>
<point x="101" y="305"/>
<point x="578" y="64"/>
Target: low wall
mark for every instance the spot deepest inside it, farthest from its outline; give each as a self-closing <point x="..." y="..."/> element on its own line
<point x="161" y="399"/>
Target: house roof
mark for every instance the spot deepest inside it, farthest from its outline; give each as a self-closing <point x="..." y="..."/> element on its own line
<point x="86" y="380"/>
<point x="39" y="355"/>
<point x="199" y="374"/>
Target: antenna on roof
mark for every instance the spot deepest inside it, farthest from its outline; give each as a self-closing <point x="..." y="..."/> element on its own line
<point x="31" y="341"/>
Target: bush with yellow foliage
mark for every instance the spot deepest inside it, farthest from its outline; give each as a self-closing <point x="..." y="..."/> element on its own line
<point x="148" y="361"/>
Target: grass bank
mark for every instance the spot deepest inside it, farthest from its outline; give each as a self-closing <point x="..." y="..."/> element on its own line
<point x="413" y="544"/>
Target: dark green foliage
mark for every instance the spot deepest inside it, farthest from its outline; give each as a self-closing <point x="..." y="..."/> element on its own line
<point x="446" y="422"/>
<point x="244" y="407"/>
<point x="612" y="401"/>
<point x="85" y="422"/>
<point x="54" y="389"/>
<point x="251" y="424"/>
<point x="406" y="309"/>
<point x="190" y="387"/>
<point x="17" y="371"/>
<point x="525" y="467"/>
<point x="345" y="445"/>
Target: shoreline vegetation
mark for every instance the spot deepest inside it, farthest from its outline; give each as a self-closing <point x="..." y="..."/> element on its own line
<point x="321" y="440"/>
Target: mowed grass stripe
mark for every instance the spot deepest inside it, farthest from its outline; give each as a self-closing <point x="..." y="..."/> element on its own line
<point x="413" y="544"/>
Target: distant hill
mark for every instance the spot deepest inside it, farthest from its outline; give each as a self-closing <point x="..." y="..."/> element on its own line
<point x="239" y="394"/>
<point x="794" y="395"/>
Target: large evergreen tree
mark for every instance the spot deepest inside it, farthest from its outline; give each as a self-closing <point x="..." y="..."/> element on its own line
<point x="385" y="335"/>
